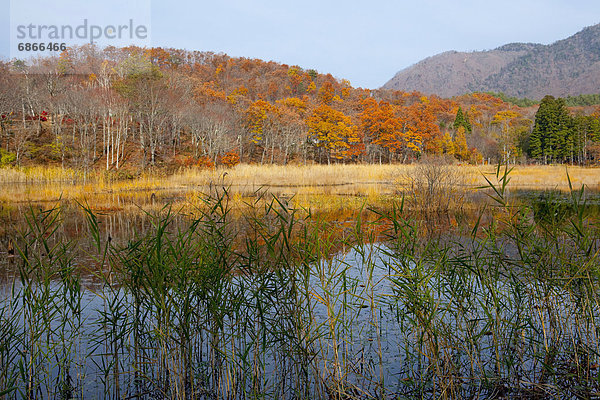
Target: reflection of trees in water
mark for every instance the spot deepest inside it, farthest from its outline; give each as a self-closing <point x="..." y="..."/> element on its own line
<point x="123" y="220"/>
<point x="552" y="209"/>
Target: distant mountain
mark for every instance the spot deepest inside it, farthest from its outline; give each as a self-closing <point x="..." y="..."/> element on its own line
<point x="567" y="67"/>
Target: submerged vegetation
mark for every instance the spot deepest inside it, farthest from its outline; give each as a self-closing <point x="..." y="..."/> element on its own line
<point x="276" y="304"/>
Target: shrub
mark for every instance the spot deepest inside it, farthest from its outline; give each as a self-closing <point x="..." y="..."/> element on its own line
<point x="230" y="159"/>
<point x="7" y="158"/>
<point x="206" y="162"/>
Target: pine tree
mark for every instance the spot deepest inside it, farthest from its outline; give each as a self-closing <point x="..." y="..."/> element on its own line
<point x="467" y="123"/>
<point x="551" y="138"/>
<point x="462" y="119"/>
<point x="536" y="145"/>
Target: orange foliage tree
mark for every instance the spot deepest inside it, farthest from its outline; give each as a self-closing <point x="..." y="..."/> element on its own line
<point x="326" y="92"/>
<point x="383" y="127"/>
<point x="422" y="126"/>
<point x="334" y="132"/>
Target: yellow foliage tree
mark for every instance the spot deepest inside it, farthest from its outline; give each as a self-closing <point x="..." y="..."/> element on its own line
<point x="257" y="119"/>
<point x="507" y="136"/>
<point x="461" y="150"/>
<point x="333" y="131"/>
<point x="447" y="144"/>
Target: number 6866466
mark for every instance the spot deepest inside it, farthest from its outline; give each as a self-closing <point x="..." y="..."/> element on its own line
<point x="50" y="46"/>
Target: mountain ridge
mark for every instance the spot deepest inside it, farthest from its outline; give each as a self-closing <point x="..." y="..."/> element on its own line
<point x="569" y="66"/>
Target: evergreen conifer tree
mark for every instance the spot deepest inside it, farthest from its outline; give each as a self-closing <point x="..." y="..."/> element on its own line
<point x="551" y="139"/>
<point x="462" y="119"/>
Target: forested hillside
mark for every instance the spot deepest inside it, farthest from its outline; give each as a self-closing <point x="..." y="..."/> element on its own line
<point x="131" y="108"/>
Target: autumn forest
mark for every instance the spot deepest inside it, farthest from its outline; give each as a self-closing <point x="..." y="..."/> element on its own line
<point x="124" y="109"/>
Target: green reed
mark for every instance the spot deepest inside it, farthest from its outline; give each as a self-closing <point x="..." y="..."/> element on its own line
<point x="279" y="304"/>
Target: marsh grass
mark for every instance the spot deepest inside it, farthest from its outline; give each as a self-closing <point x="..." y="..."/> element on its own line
<point x="283" y="306"/>
<point x="45" y="184"/>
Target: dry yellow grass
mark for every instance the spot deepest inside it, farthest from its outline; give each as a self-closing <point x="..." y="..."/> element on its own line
<point x="39" y="174"/>
<point x="304" y="182"/>
<point x="367" y="179"/>
<point x="553" y="177"/>
<point x="253" y="177"/>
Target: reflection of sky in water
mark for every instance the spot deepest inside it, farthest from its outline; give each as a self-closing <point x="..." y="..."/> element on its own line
<point x="386" y="314"/>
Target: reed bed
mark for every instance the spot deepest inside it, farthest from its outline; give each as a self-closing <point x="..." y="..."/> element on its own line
<point x="284" y="308"/>
<point x="39" y="174"/>
<point x="50" y="183"/>
<point x="553" y="176"/>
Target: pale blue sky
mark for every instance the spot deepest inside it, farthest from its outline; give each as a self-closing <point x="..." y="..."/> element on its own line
<point x="366" y="42"/>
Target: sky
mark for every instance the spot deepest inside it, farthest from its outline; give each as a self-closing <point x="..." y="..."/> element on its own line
<point x="366" y="42"/>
